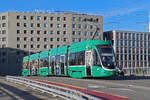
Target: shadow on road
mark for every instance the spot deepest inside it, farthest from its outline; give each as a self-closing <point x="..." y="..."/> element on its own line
<point x="22" y="94"/>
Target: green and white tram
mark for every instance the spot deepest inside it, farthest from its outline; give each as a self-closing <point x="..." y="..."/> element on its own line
<point x="90" y="58"/>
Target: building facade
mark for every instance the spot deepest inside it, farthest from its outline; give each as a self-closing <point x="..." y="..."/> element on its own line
<point x="23" y="32"/>
<point x="132" y="50"/>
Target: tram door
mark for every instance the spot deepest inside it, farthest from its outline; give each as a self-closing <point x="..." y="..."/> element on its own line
<point x="62" y="64"/>
<point x="52" y="64"/>
<point x="88" y="61"/>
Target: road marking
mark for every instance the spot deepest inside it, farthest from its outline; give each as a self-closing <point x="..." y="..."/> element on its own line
<point x="113" y="83"/>
<point x="95" y="86"/>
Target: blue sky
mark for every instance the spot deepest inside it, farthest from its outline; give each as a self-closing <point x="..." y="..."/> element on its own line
<point x="118" y="14"/>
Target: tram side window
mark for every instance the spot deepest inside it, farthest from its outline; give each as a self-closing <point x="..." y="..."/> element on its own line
<point x="77" y="58"/>
<point x="57" y="59"/>
<point x="25" y="65"/>
<point x="44" y="62"/>
<point x="52" y="61"/>
<point x="96" y="58"/>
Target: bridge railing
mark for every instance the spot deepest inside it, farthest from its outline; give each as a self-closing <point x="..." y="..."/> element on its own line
<point x="64" y="92"/>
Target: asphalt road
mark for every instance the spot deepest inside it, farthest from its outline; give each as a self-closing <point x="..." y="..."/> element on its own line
<point x="135" y="88"/>
<point x="13" y="91"/>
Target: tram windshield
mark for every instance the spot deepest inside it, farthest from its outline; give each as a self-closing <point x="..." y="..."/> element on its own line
<point x="107" y="56"/>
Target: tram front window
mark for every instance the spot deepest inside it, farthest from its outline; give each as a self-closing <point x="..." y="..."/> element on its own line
<point x="107" y="56"/>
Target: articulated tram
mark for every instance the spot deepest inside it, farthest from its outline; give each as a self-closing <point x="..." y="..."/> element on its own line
<point x="90" y="58"/>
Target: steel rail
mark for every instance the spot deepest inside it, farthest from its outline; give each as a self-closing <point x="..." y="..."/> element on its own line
<point x="63" y="92"/>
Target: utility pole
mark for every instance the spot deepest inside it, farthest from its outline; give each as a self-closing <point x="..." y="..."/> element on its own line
<point x="90" y="22"/>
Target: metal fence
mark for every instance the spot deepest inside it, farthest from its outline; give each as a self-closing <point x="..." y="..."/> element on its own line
<point x="137" y="71"/>
<point x="64" y="92"/>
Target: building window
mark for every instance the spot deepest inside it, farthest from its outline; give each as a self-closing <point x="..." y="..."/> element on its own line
<point x="45" y="39"/>
<point x="45" y="18"/>
<point x="73" y="25"/>
<point x="31" y="18"/>
<point x="85" y="26"/>
<point x="51" y="46"/>
<point x="141" y="36"/>
<point x="73" y="18"/>
<point x="91" y="27"/>
<point x="3" y="45"/>
<point x="58" y="18"/>
<point x="51" y="18"/>
<point x="91" y="33"/>
<point x="51" y="32"/>
<point x="38" y="17"/>
<point x="79" y="26"/>
<point x="25" y="38"/>
<point x="97" y="33"/>
<point x="38" y="25"/>
<point x="18" y="31"/>
<point x="32" y="31"/>
<point x="38" y="46"/>
<point x="45" y="25"/>
<point x="58" y="32"/>
<point x="3" y="39"/>
<point x="45" y="32"/>
<point x="18" y="38"/>
<point x="145" y="37"/>
<point x="25" y="24"/>
<point x="24" y="17"/>
<point x="73" y="32"/>
<point x="45" y="46"/>
<point x="18" y="45"/>
<point x="51" y="25"/>
<point x="18" y="24"/>
<point x="31" y="39"/>
<point x="73" y="39"/>
<point x="38" y="39"/>
<point x="79" y="19"/>
<point x="32" y="25"/>
<point x="3" y="17"/>
<point x="85" y="33"/>
<point x="64" y="39"/>
<point x="3" y="24"/>
<point x="64" y="25"/>
<point x="3" y="60"/>
<point x="4" y="53"/>
<point x="58" y="39"/>
<point x="129" y="36"/>
<point x="133" y="36"/>
<point x="31" y="46"/>
<point x="25" y="31"/>
<point x="3" y="31"/>
<point x="38" y="32"/>
<point x="64" y="18"/>
<point x="18" y="17"/>
<point x="58" y="25"/>
<point x="25" y="46"/>
<point x="51" y="39"/>
<point x="64" y="32"/>
<point x="79" y="32"/>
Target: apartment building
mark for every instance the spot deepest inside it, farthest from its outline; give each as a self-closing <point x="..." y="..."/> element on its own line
<point x="24" y="32"/>
<point x="132" y="50"/>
